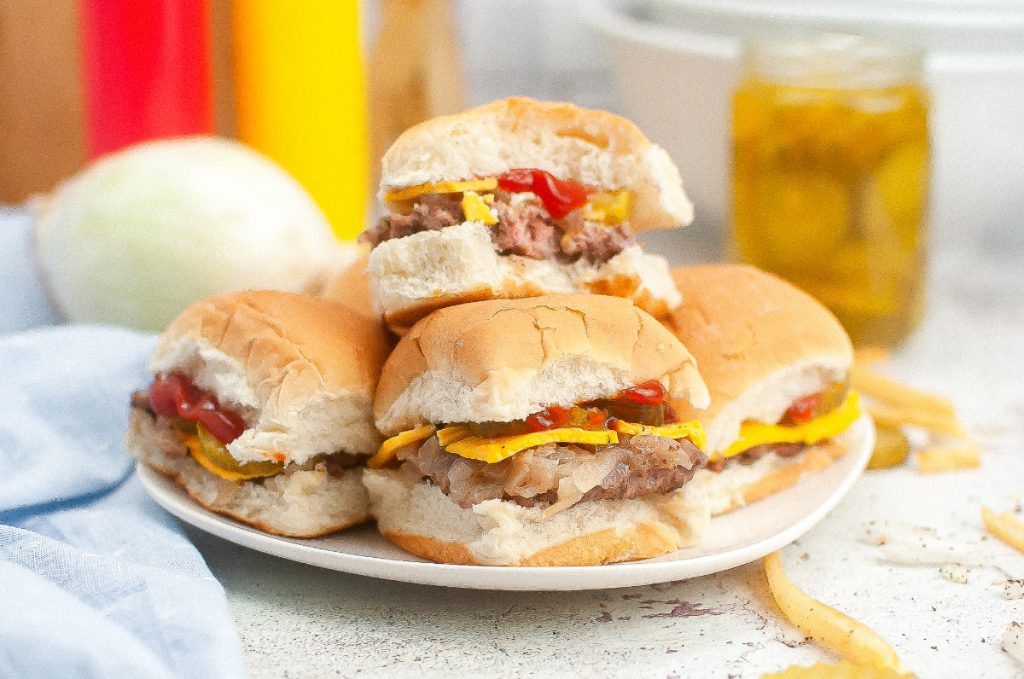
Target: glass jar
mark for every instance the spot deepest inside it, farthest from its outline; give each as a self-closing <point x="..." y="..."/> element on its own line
<point x="830" y="176"/>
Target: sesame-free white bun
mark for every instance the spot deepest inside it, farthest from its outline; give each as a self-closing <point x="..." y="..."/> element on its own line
<point x="593" y="147"/>
<point x="301" y="370"/>
<point x="414" y="275"/>
<point x="422" y="520"/>
<point x="760" y="343"/>
<point x="501" y="360"/>
<point x="351" y="288"/>
<point x="140" y="234"/>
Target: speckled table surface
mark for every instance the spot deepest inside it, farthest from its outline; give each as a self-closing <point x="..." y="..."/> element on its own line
<point x="299" y="621"/>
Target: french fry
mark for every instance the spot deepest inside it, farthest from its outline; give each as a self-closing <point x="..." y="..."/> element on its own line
<point x="895" y="416"/>
<point x="890" y="391"/>
<point x="891" y="448"/>
<point x="852" y="640"/>
<point x="840" y="670"/>
<point x="949" y="457"/>
<point x="1005" y="526"/>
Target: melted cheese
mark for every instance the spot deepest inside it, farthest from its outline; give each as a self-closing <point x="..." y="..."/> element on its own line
<point x="391" y="446"/>
<point x="454" y="433"/>
<point x="488" y="184"/>
<point x="610" y="207"/>
<point x="497" y="449"/>
<point x="459" y="440"/>
<point x="252" y="470"/>
<point x="680" y="430"/>
<point x="820" y="428"/>
<point x="474" y="207"/>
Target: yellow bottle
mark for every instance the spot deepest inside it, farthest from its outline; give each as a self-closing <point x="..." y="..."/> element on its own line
<point x="830" y="177"/>
<point x="300" y="98"/>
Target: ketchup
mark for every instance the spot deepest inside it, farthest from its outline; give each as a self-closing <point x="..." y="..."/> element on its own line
<point x="560" y="196"/>
<point x="649" y="393"/>
<point x="173" y="394"/>
<point x="555" y="417"/>
<point x="803" y="409"/>
<point x="552" y="417"/>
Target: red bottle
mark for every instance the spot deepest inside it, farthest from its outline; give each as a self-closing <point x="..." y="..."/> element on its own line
<point x="146" y="71"/>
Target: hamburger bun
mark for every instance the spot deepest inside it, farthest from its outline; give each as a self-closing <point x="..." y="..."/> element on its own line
<point x="595" y="148"/>
<point x="301" y="372"/>
<point x="351" y="289"/>
<point x="501" y="360"/>
<point x="423" y="521"/>
<point x="304" y="369"/>
<point x="760" y="343"/>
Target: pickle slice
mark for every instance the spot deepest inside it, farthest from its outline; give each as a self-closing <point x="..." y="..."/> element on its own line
<point x="217" y="454"/>
<point x="493" y="430"/>
<point x="833" y="397"/>
<point x="637" y="413"/>
<point x="891" y="448"/>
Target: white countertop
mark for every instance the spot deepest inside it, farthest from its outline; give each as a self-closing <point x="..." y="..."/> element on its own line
<point x="299" y="621"/>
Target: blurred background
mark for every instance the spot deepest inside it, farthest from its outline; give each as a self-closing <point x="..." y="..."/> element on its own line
<point x="323" y="87"/>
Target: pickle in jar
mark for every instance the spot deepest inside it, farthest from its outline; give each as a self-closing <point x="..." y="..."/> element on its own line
<point x="830" y="178"/>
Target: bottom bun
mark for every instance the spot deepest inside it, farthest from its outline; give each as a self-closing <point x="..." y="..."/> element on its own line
<point x="422" y="520"/>
<point x="300" y="503"/>
<point x="740" y="484"/>
<point x="418" y="274"/>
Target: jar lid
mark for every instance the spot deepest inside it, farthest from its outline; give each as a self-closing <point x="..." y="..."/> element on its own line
<point x="832" y="60"/>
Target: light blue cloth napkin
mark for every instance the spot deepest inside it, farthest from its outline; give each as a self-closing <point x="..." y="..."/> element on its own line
<point x="24" y="302"/>
<point x="95" y="579"/>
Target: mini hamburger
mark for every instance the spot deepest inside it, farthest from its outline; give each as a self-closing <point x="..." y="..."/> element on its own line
<point x="521" y="198"/>
<point x="536" y="432"/>
<point x="777" y="365"/>
<point x="261" y="409"/>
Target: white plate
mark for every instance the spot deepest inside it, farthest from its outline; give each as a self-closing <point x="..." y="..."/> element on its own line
<point x="733" y="539"/>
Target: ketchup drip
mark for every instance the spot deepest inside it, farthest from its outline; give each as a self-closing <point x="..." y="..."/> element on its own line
<point x="173" y="394"/>
<point x="553" y="417"/>
<point x="556" y="417"/>
<point x="803" y="409"/>
<point x="560" y="196"/>
<point x="649" y="393"/>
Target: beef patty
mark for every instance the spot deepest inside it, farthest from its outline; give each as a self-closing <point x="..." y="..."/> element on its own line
<point x="524" y="228"/>
<point x="634" y="467"/>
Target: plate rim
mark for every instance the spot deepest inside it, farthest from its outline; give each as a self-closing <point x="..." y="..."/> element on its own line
<point x="166" y="493"/>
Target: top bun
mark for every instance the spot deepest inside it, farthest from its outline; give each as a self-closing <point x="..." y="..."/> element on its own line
<point x="595" y="148"/>
<point x="760" y="342"/>
<point x="501" y="360"/>
<point x="300" y="370"/>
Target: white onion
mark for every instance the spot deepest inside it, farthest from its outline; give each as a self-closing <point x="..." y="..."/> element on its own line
<point x="592" y="472"/>
<point x="141" y="234"/>
<point x="568" y="495"/>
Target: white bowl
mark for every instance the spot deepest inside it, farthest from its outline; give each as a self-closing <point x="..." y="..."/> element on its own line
<point x="676" y="73"/>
